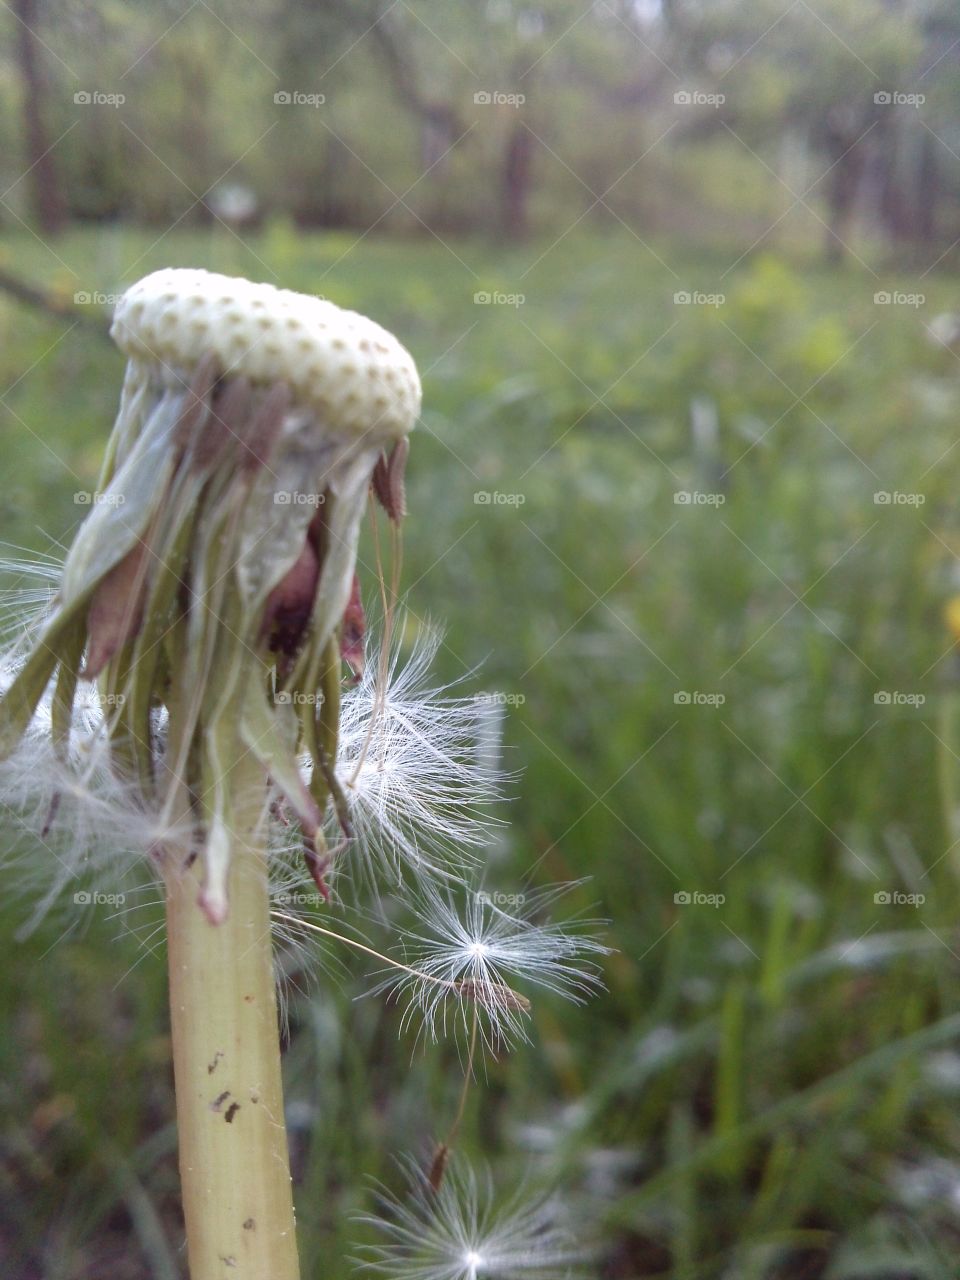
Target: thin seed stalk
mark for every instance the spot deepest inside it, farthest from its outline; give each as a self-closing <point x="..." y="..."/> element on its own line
<point x="234" y="1165"/>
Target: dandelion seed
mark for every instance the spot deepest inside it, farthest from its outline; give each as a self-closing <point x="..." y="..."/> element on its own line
<point x="460" y="1233"/>
<point x="412" y="766"/>
<point x="468" y="957"/>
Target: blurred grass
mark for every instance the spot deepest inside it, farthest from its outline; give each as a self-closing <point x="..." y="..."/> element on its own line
<point x="769" y="1087"/>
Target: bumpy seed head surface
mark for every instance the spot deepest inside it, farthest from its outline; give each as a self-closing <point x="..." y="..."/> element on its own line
<point x="344" y="367"/>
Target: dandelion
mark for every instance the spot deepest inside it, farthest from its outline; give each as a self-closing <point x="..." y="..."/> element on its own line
<point x="204" y="597"/>
<point x="460" y="1233"/>
<point x="174" y="690"/>
<point x="465" y="959"/>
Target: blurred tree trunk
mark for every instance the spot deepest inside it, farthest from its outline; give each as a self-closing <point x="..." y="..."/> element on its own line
<point x="847" y="156"/>
<point x="48" y="207"/>
<point x="928" y="190"/>
<point x="516" y="183"/>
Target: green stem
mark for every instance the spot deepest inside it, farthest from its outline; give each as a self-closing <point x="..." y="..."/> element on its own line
<point x="234" y="1166"/>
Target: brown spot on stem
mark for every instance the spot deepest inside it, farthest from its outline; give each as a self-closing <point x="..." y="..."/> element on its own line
<point x="250" y="1225"/>
<point x="231" y="1111"/>
<point x="212" y="1066"/>
<point x="217" y="1103"/>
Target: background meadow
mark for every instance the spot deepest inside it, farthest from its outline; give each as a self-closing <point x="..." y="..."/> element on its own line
<point x="683" y="496"/>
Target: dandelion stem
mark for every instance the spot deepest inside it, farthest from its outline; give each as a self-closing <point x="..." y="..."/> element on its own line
<point x="234" y="1168"/>
<point x="467" y="1081"/>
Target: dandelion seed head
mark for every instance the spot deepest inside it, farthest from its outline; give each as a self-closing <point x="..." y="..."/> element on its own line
<point x="465" y="955"/>
<point x="460" y="1232"/>
<point x="413" y="764"/>
<point x="342" y="364"/>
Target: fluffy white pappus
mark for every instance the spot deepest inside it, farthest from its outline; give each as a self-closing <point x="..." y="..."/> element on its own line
<point x="26" y="597"/>
<point x="414" y="762"/>
<point x="73" y="828"/>
<point x="460" y="1232"/>
<point x="71" y="825"/>
<point x="463" y="959"/>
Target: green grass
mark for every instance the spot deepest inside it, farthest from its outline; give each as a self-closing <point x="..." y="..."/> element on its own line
<point x="768" y="1088"/>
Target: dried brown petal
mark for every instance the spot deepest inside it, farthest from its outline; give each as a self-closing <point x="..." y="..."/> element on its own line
<point x="116" y="610"/>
